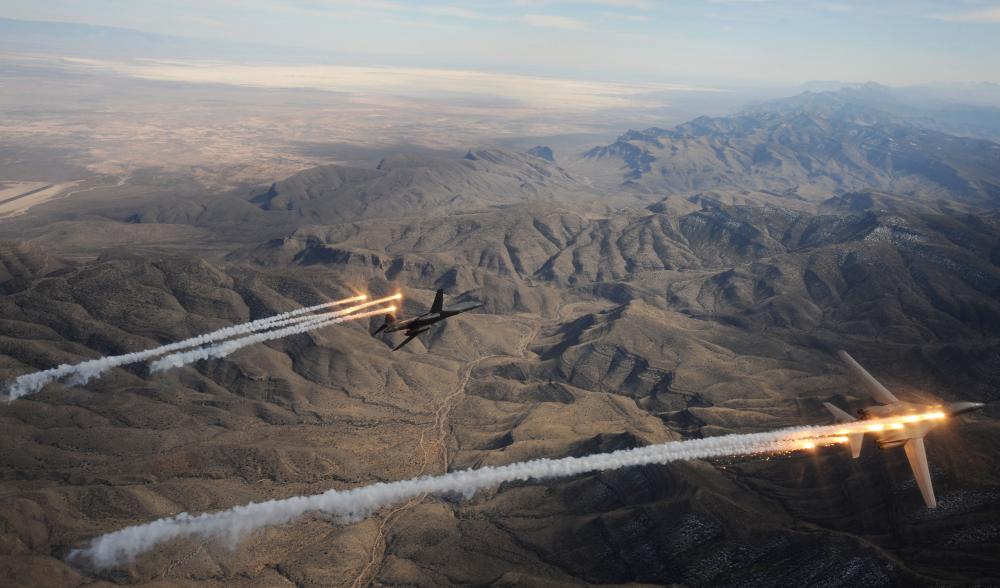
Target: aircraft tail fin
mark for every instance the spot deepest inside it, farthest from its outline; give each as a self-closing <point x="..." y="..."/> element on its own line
<point x="839" y="415"/>
<point x="389" y="319"/>
<point x="855" y="439"/>
<point x="438" y="305"/>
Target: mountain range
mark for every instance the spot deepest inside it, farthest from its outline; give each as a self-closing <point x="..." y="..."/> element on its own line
<point x="675" y="283"/>
<point x="801" y="155"/>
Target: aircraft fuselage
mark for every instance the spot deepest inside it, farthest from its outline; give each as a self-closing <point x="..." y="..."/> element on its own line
<point x="418" y="324"/>
<point x="915" y="420"/>
<point x="429" y="318"/>
<point x="900" y="424"/>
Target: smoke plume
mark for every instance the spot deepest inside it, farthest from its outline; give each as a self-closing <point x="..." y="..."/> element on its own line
<point x="80" y="373"/>
<point x="227" y="347"/>
<point x="231" y="525"/>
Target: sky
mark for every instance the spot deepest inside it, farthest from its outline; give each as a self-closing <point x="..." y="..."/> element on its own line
<point x="757" y="41"/>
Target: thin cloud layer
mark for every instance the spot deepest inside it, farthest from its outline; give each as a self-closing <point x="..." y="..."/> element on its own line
<point x="554" y="22"/>
<point x="988" y="16"/>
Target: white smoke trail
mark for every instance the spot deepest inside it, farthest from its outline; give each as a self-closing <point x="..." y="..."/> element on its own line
<point x="81" y="373"/>
<point x="122" y="546"/>
<point x="227" y="347"/>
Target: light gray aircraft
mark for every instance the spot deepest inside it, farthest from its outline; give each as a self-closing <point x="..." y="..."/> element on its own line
<point x="418" y="324"/>
<point x="915" y="421"/>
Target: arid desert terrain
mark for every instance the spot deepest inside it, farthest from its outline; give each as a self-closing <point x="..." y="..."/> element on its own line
<point x="690" y="278"/>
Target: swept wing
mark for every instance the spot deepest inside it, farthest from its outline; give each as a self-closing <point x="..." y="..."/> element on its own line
<point x="917" y="456"/>
<point x="878" y="392"/>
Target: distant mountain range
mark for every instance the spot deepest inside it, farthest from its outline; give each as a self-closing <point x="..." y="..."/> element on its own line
<point x="808" y="153"/>
<point x="968" y="110"/>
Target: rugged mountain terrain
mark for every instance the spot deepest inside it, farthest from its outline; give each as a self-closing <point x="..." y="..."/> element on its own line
<point x="706" y="297"/>
<point x="800" y="155"/>
<point x="407" y="186"/>
<point x="925" y="107"/>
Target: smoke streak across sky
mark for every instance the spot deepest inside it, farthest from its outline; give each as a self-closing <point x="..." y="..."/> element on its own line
<point x="224" y="349"/>
<point x="80" y="373"/>
<point x="121" y="546"/>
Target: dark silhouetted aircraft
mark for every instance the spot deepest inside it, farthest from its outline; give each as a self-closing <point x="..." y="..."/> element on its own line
<point x="418" y="324"/>
<point x="914" y="421"/>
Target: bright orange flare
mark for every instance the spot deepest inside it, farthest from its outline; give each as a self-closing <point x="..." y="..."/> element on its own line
<point x="845" y="431"/>
<point x="895" y="423"/>
<point x="820" y="441"/>
<point x="364" y="305"/>
<point x="357" y="298"/>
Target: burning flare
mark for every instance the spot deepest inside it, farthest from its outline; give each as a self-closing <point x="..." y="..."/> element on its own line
<point x="840" y="435"/>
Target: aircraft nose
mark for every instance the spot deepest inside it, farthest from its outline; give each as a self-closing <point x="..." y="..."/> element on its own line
<point x="964" y="407"/>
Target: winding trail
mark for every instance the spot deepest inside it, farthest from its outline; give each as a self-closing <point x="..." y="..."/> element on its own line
<point x="433" y="450"/>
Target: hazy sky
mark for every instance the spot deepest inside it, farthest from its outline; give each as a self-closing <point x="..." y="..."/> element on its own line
<point x="890" y="41"/>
